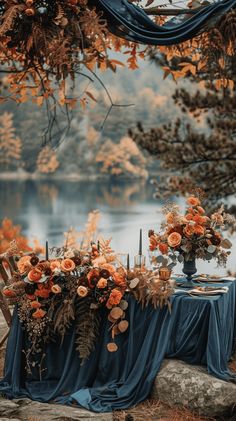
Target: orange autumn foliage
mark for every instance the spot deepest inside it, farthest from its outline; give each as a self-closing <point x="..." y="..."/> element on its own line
<point x="10" y="232"/>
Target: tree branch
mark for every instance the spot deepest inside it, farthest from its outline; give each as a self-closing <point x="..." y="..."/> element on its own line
<point x="159" y="11"/>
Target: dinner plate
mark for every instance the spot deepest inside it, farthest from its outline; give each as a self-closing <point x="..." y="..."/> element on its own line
<point x="217" y="291"/>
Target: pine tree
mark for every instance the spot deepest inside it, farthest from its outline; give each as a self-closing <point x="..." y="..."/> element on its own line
<point x="10" y="144"/>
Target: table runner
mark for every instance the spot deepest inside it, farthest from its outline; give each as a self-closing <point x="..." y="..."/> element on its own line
<point x="199" y="330"/>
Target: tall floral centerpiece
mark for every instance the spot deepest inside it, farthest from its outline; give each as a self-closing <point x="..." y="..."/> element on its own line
<point x="185" y="237"/>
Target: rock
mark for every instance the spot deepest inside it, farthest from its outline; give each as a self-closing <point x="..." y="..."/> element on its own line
<point x="190" y="386"/>
<point x="26" y="409"/>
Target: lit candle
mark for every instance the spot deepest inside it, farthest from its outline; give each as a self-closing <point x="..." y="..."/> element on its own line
<point x="47" y="254"/>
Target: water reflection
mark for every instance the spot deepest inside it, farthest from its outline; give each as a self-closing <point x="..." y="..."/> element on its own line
<point x="46" y="209"/>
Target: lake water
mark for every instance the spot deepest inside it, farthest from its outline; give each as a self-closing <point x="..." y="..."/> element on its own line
<point x="46" y="209"/>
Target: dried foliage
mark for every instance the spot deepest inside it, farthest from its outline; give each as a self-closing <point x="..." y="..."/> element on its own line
<point x="83" y="239"/>
<point x="10" y="144"/>
<point x="149" y="287"/>
<point x="10" y="232"/>
<point x="123" y="158"/>
<point x="208" y="58"/>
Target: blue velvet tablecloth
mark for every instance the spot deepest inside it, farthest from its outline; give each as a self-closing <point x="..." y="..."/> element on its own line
<point x="199" y="330"/>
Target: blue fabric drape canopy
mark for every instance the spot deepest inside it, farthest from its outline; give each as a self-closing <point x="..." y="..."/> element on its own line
<point x="132" y="23"/>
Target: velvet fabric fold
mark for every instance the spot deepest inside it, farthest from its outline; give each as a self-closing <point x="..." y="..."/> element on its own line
<point x="198" y="330"/>
<point x="129" y="21"/>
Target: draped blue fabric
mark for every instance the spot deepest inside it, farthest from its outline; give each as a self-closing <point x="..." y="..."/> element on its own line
<point x="132" y="23"/>
<point x="198" y="330"/>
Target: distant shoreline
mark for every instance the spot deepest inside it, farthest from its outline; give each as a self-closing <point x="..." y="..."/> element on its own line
<point x="25" y="176"/>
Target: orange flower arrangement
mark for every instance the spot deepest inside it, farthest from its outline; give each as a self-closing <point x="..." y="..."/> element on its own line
<point x="192" y="235"/>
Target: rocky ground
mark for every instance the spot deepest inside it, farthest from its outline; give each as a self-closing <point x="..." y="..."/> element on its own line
<point x="177" y="387"/>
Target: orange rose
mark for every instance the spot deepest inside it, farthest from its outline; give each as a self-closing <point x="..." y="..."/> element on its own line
<point x="163" y="248"/>
<point x="119" y="280"/>
<point x="189" y="230"/>
<point x="169" y="218"/>
<point x="24" y="264"/>
<point x="153" y="243"/>
<point x="200" y="220"/>
<point x="114" y="299"/>
<point x="82" y="291"/>
<point x="189" y="216"/>
<point x="35" y="304"/>
<point x="9" y="292"/>
<point x="199" y="229"/>
<point x="56" y="289"/>
<point x="193" y="201"/>
<point x="35" y="275"/>
<point x="54" y="265"/>
<point x="93" y="273"/>
<point x="174" y="239"/>
<point x="67" y="265"/>
<point x="200" y="210"/>
<point x="39" y="314"/>
<point x="102" y="283"/>
<point x="42" y="293"/>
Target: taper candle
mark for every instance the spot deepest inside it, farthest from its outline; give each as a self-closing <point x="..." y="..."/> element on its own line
<point x="140" y="242"/>
<point x="47" y="254"/>
<point x="128" y="264"/>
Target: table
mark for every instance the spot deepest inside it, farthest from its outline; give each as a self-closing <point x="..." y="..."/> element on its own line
<point x="199" y="330"/>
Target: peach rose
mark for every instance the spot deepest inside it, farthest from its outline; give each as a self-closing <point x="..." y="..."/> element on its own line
<point x="163" y="247"/>
<point x="102" y="283"/>
<point x="67" y="265"/>
<point x="82" y="291"/>
<point x="35" y="304"/>
<point x="193" y="201"/>
<point x="34" y="275"/>
<point x="56" y="289"/>
<point x="39" y="314"/>
<point x="189" y="230"/>
<point x="115" y="298"/>
<point x="199" y="230"/>
<point x="24" y="264"/>
<point x="169" y="218"/>
<point x="54" y="265"/>
<point x="174" y="239"/>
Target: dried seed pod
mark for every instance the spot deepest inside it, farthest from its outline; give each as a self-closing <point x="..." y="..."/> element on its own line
<point x="112" y="347"/>
<point x="116" y="313"/>
<point x="123" y="325"/>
